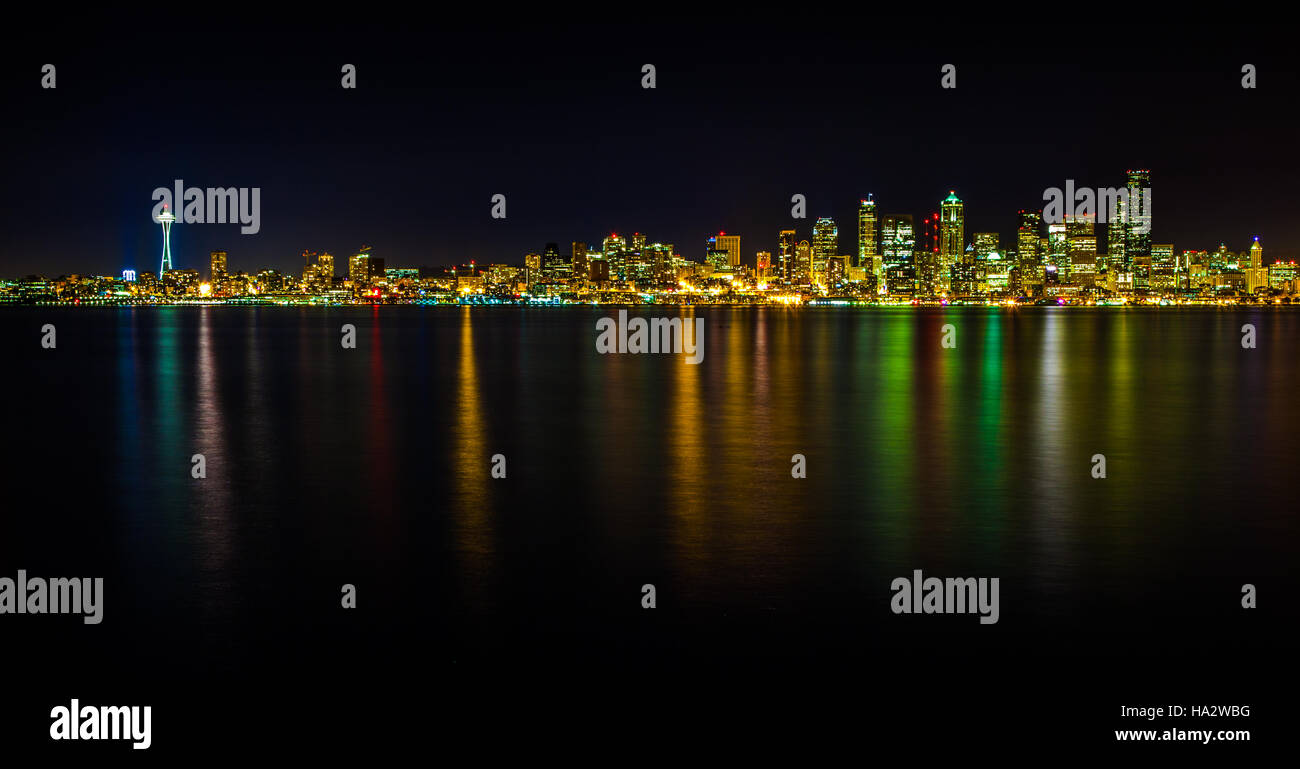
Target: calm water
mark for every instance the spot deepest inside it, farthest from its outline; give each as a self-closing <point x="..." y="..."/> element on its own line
<point x="371" y="466"/>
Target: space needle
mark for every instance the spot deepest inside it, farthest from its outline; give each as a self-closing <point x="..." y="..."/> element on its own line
<point x="165" y="219"/>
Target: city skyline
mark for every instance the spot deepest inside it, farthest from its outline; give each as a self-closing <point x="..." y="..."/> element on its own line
<point x="409" y="160"/>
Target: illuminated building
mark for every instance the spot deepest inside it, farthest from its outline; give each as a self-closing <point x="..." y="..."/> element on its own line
<point x="615" y="254"/>
<point x="580" y="260"/>
<point x="825" y="244"/>
<point x="1256" y="275"/>
<point x="897" y="242"/>
<point x="1282" y="276"/>
<point x="926" y="258"/>
<point x="803" y="264"/>
<point x="361" y="266"/>
<point x="835" y="273"/>
<point x="868" y="236"/>
<point x="533" y="268"/>
<point x="1081" y="245"/>
<point x="325" y="269"/>
<point x="731" y="245"/>
<point x="217" y="269"/>
<point x="1164" y="272"/>
<point x="1058" y="250"/>
<point x="985" y="243"/>
<point x="1029" y="259"/>
<point x="952" y="236"/>
<point x="785" y="244"/>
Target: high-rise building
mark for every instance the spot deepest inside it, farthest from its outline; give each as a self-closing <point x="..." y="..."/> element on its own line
<point x="579" y="260"/>
<point x="868" y="236"/>
<point x="325" y="270"/>
<point x="615" y="249"/>
<point x="1058" y="249"/>
<point x="1164" y="272"/>
<point x="825" y="244"/>
<point x="952" y="236"/>
<point x="1128" y="233"/>
<point x="1256" y="273"/>
<point x="730" y="244"/>
<point x="926" y="259"/>
<point x="985" y="243"/>
<point x="803" y="259"/>
<point x="217" y="271"/>
<point x="785" y="245"/>
<point x="1029" y="262"/>
<point x="360" y="267"/>
<point x="897" y="243"/>
<point x="1081" y="245"/>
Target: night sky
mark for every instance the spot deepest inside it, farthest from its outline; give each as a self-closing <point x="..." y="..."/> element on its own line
<point x="747" y="112"/>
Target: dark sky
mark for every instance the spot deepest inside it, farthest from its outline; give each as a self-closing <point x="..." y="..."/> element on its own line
<point x="747" y="112"/>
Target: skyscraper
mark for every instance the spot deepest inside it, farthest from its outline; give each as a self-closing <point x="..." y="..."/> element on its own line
<point x="952" y="236"/>
<point x="785" y="244"/>
<point x="324" y="269"/>
<point x="803" y="264"/>
<point x="825" y="244"/>
<point x="730" y="244"/>
<point x="897" y="241"/>
<point x="1081" y="244"/>
<point x="1029" y="262"/>
<point x="1129" y="234"/>
<point x="217" y="270"/>
<point x="580" y="260"/>
<point x="868" y="246"/>
<point x="615" y="249"/>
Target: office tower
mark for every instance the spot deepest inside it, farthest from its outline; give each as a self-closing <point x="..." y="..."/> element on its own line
<point x="1029" y="262"/>
<point x="825" y="244"/>
<point x="803" y="258"/>
<point x="1137" y="217"/>
<point x="165" y="219"/>
<point x="785" y="243"/>
<point x="1256" y="275"/>
<point x="659" y="260"/>
<point x="897" y="242"/>
<point x="835" y="275"/>
<point x="325" y="270"/>
<point x="730" y="244"/>
<point x="1058" y="249"/>
<point x="360" y="267"/>
<point x="1283" y="276"/>
<point x="1164" y="273"/>
<point x="533" y="268"/>
<point x="615" y="249"/>
<point x="1081" y="247"/>
<point x="580" y="260"/>
<point x="868" y="237"/>
<point x="952" y="236"/>
<point x="926" y="258"/>
<point x="217" y="271"/>
<point x="638" y="241"/>
<point x="985" y="244"/>
<point x="764" y="265"/>
<point x="554" y="266"/>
